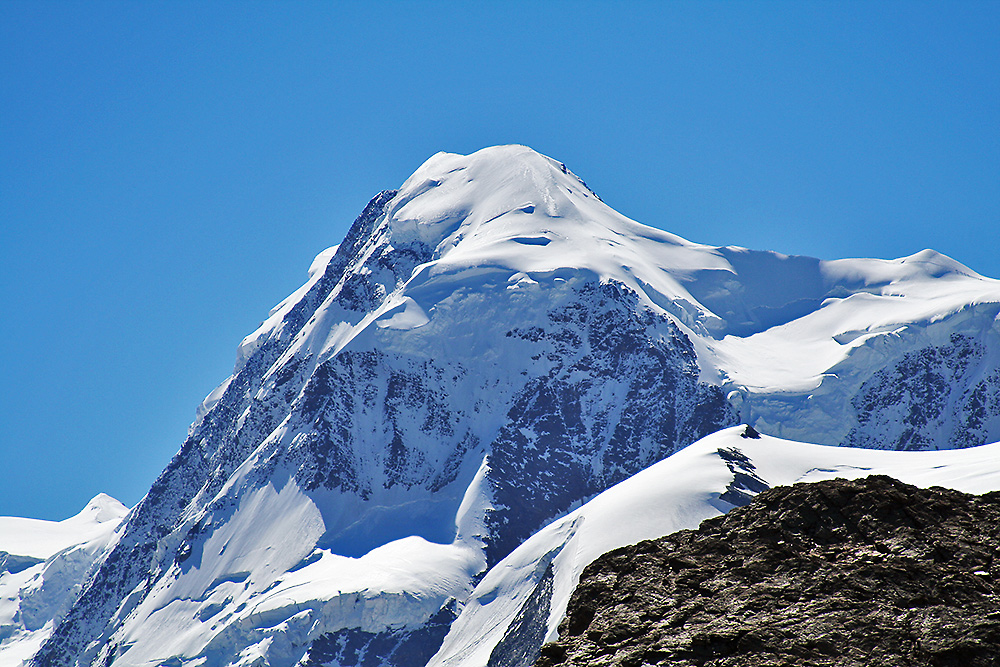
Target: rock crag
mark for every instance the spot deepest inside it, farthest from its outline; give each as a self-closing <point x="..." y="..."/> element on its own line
<point x="863" y="572"/>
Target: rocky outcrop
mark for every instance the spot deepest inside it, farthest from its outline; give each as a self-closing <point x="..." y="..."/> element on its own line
<point x="863" y="572"/>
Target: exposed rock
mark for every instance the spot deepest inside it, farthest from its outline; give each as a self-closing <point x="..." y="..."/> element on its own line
<point x="520" y="644"/>
<point x="404" y="647"/>
<point x="936" y="397"/>
<point x="863" y="572"/>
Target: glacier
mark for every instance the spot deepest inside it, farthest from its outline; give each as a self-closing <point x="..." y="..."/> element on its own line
<point x="489" y="350"/>
<point x="43" y="565"/>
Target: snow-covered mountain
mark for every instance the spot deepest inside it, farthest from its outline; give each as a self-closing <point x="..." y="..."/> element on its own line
<point x="43" y="565"/>
<point x="490" y="347"/>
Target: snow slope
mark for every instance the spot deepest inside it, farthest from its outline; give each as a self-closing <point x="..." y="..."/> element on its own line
<point x="490" y="347"/>
<point x="537" y="579"/>
<point x="42" y="567"/>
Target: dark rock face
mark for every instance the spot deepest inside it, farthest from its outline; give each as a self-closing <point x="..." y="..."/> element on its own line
<point x="944" y="397"/>
<point x="865" y="572"/>
<point x="401" y="648"/>
<point x="623" y="392"/>
<point x="746" y="482"/>
<point x="402" y="400"/>
<point x="520" y="644"/>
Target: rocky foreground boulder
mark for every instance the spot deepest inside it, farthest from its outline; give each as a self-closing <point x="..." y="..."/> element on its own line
<point x="862" y="572"/>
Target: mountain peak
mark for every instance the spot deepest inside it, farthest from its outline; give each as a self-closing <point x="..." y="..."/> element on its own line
<point x="100" y="509"/>
<point x="509" y="160"/>
<point x="933" y="264"/>
<point x="517" y="215"/>
<point x="499" y="184"/>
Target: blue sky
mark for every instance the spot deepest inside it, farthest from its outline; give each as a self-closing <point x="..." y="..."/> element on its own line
<point x="168" y="170"/>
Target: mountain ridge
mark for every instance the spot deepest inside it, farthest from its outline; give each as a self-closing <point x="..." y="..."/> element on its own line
<point x="488" y="348"/>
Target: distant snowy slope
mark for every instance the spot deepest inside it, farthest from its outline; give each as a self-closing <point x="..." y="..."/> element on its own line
<point x="43" y="565"/>
<point x="40" y="539"/>
<point x="521" y="600"/>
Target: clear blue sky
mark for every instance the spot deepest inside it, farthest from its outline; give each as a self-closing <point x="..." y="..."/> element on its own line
<point x="168" y="170"/>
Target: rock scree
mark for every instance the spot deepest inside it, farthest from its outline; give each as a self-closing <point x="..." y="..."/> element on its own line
<point x="864" y="572"/>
